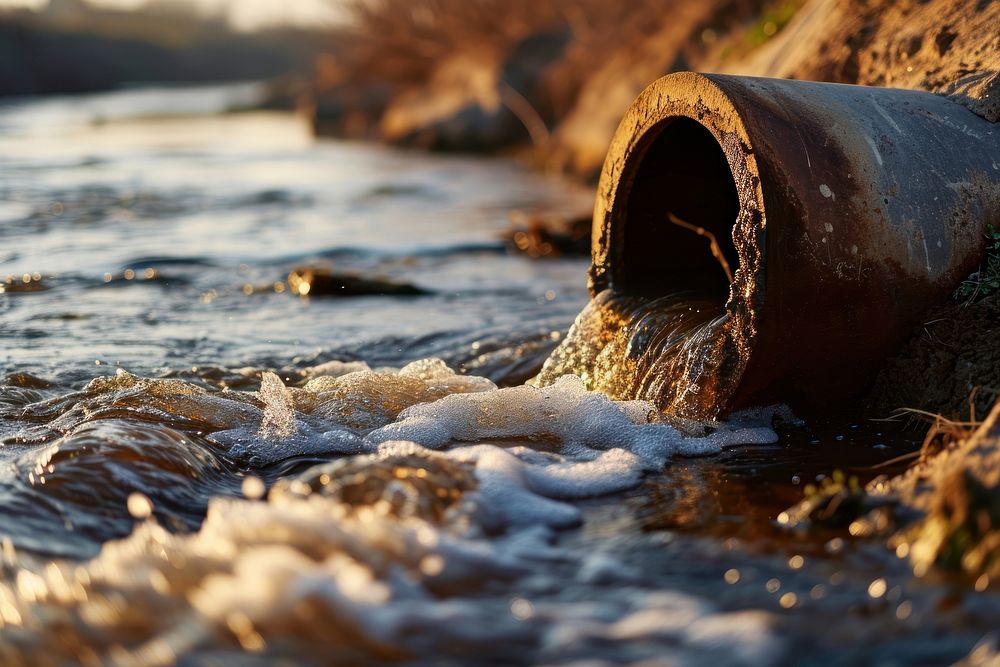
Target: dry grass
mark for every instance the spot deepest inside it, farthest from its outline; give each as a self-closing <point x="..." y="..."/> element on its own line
<point x="944" y="432"/>
<point x="399" y="41"/>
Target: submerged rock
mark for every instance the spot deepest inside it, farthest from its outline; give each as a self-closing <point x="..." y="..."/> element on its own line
<point x="540" y="236"/>
<point x="416" y="483"/>
<point x="309" y="281"/>
<point x="29" y="282"/>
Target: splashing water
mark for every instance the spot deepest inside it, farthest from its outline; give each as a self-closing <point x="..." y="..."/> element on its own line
<point x="244" y="500"/>
<point x="279" y="412"/>
<point x="663" y="350"/>
<point x="453" y="483"/>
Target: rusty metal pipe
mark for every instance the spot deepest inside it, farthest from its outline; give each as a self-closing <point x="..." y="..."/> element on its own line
<point x="848" y="211"/>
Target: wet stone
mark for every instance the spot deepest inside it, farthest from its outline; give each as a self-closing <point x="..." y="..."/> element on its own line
<point x="422" y="485"/>
<point x="550" y="237"/>
<point x="311" y="281"/>
<point x="26" y="380"/>
<point x="24" y="284"/>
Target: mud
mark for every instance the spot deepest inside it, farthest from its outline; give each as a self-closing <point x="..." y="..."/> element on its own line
<point x="953" y="355"/>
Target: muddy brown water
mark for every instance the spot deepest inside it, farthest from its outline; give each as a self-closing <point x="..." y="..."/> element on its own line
<point x="198" y="472"/>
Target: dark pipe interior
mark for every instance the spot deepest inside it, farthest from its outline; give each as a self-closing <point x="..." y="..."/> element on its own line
<point x="683" y="172"/>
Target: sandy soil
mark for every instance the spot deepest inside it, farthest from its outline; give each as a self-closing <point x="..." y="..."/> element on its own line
<point x="951" y="356"/>
<point x="951" y="47"/>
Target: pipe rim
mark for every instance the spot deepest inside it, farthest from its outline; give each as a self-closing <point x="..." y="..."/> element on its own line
<point x="699" y="98"/>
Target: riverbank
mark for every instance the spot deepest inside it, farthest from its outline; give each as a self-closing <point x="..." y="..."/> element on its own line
<point x="555" y="85"/>
<point x="555" y="89"/>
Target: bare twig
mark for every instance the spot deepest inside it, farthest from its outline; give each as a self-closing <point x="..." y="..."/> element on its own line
<point x="944" y="431"/>
<point x="894" y="460"/>
<point x="526" y="113"/>
<point x="712" y="242"/>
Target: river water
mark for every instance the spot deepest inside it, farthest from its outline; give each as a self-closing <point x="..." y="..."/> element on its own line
<point x="200" y="466"/>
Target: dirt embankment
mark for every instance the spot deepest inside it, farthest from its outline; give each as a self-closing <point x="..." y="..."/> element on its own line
<point x="952" y="360"/>
<point x="955" y="496"/>
<point x="492" y="76"/>
<point x="497" y="75"/>
<point x="951" y="47"/>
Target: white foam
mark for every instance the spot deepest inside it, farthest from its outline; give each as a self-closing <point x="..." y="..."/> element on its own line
<point x="325" y="572"/>
<point x="573" y="443"/>
<point x="601" y="446"/>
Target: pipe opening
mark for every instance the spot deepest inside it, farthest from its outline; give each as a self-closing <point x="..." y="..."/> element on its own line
<point x="682" y="183"/>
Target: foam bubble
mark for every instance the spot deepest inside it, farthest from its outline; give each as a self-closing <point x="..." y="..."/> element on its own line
<point x="565" y="416"/>
<point x="395" y="552"/>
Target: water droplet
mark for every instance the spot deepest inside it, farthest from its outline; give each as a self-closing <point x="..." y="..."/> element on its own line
<point x="253" y="488"/>
<point x="139" y="505"/>
<point x="522" y="609"/>
<point x="433" y="565"/>
<point x="877" y="588"/>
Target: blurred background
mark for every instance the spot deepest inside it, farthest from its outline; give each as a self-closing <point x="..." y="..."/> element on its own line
<point x="549" y="80"/>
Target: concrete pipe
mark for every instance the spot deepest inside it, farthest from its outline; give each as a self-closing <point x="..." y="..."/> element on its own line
<point x="844" y="211"/>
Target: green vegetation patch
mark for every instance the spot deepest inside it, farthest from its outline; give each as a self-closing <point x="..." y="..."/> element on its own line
<point x="774" y="17"/>
<point x="986" y="280"/>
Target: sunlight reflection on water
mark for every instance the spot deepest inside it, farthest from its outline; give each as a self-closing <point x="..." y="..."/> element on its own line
<point x="262" y="430"/>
